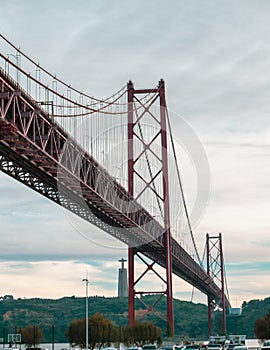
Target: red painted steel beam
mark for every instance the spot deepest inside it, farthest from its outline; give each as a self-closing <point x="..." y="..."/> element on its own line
<point x="145" y="91"/>
<point x="131" y="291"/>
<point x="222" y="285"/>
<point x="167" y="225"/>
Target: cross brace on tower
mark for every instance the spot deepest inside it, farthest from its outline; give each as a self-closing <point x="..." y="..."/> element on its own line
<point x="215" y="269"/>
<point x="140" y="150"/>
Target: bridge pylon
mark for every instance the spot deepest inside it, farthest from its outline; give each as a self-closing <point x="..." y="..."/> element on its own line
<point x="147" y="107"/>
<point x="215" y="270"/>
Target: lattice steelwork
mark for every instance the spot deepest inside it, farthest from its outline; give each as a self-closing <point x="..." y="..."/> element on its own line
<point x="148" y="182"/>
<point x="215" y="270"/>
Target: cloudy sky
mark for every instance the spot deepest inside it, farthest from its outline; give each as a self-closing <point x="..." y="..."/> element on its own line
<point x="215" y="59"/>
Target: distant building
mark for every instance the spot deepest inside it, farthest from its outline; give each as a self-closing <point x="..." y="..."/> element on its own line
<point x="235" y="311"/>
<point x="122" y="280"/>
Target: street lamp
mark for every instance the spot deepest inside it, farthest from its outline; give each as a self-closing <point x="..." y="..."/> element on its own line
<point x="86" y="312"/>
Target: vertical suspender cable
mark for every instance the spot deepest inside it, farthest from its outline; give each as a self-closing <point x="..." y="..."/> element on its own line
<point x="182" y="190"/>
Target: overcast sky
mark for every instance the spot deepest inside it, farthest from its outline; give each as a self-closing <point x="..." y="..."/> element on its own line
<point x="215" y="59"/>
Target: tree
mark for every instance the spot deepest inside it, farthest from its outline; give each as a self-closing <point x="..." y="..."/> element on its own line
<point x="76" y="333"/>
<point x="100" y="329"/>
<point x="31" y="335"/>
<point x="262" y="327"/>
<point x="142" y="333"/>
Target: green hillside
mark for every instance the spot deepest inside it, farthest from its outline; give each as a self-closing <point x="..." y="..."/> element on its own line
<point x="190" y="318"/>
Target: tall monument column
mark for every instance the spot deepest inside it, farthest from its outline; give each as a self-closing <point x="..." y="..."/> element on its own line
<point x="122" y="280"/>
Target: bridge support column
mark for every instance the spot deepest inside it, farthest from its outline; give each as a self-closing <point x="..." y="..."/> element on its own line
<point x="131" y="294"/>
<point x="215" y="270"/>
<point x="131" y="291"/>
<point x="144" y="149"/>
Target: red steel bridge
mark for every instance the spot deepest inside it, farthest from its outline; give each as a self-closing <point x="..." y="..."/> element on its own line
<point x="68" y="146"/>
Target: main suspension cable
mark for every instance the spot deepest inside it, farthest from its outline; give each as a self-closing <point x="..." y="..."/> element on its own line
<point x="182" y="190"/>
<point x="59" y="80"/>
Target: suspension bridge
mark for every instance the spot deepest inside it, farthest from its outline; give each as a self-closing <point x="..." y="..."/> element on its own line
<point x="113" y="163"/>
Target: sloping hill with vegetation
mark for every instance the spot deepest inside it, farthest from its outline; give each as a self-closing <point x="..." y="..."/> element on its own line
<point x="54" y="316"/>
<point x="251" y="311"/>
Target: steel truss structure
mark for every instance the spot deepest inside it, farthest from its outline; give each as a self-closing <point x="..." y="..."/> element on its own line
<point x="215" y="270"/>
<point x="36" y="151"/>
<point x="161" y="192"/>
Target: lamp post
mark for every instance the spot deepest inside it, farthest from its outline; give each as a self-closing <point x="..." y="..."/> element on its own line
<point x="86" y="312"/>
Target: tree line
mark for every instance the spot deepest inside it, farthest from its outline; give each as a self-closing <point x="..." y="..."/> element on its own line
<point x="54" y="316"/>
<point x="102" y="332"/>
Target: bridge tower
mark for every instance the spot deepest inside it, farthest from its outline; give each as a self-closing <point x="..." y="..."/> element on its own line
<point x="215" y="269"/>
<point x="142" y="153"/>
